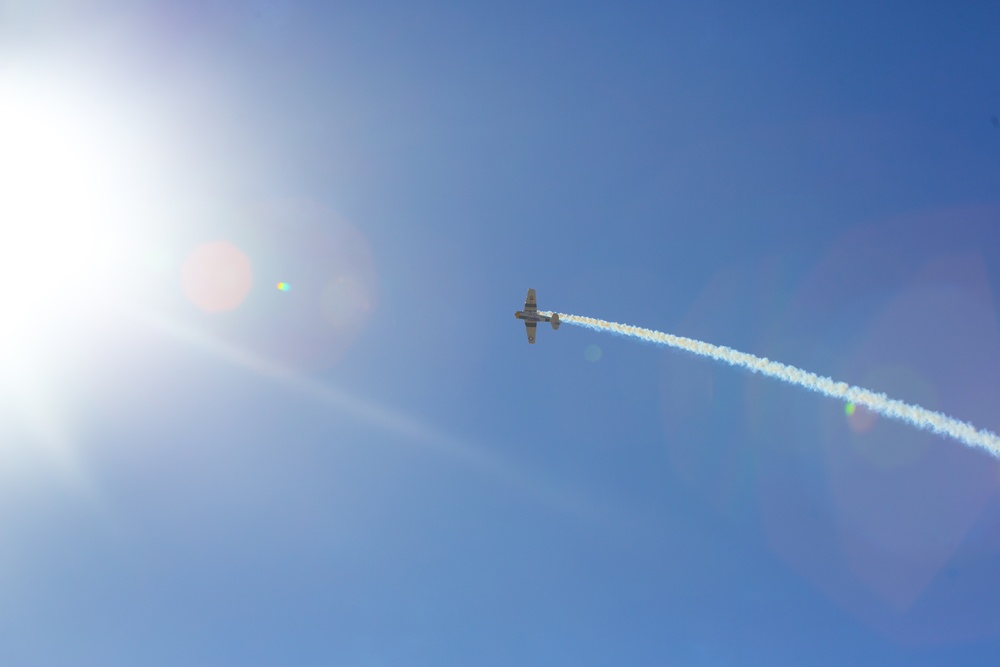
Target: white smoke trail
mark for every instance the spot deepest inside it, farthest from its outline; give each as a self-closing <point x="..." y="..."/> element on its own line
<point x="880" y="403"/>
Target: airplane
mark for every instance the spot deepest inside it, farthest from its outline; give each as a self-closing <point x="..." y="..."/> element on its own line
<point x="531" y="316"/>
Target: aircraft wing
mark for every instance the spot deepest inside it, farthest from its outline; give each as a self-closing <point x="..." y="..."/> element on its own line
<point x="530" y="328"/>
<point x="530" y="305"/>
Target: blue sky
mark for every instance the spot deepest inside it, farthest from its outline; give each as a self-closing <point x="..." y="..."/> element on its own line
<point x="373" y="467"/>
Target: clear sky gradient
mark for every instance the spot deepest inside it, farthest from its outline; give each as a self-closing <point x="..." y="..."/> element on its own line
<point x="369" y="465"/>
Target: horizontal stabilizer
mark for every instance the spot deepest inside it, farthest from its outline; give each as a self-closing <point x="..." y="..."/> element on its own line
<point x="555" y="320"/>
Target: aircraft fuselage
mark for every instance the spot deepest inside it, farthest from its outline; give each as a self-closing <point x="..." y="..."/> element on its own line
<point x="532" y="317"/>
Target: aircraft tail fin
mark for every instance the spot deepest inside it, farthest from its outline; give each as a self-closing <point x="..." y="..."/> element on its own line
<point x="555" y="320"/>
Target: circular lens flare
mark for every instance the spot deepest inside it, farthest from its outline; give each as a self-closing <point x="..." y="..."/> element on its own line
<point x="216" y="276"/>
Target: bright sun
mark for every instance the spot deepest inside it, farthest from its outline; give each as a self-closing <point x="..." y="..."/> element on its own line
<point x="61" y="216"/>
<point x="56" y="240"/>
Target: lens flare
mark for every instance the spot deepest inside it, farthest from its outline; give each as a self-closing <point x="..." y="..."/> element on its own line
<point x="216" y="276"/>
<point x="284" y="287"/>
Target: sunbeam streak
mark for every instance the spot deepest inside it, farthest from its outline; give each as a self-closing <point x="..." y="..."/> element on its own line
<point x="912" y="414"/>
<point x="467" y="452"/>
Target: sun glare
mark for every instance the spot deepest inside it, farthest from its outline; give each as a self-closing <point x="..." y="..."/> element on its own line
<point x="56" y="243"/>
<point x="62" y="188"/>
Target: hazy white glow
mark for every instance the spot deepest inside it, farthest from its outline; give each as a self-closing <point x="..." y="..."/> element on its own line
<point x="880" y="403"/>
<point x="61" y="185"/>
<point x="56" y="244"/>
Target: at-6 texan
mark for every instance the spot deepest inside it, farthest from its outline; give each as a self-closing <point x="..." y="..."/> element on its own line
<point x="532" y="317"/>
